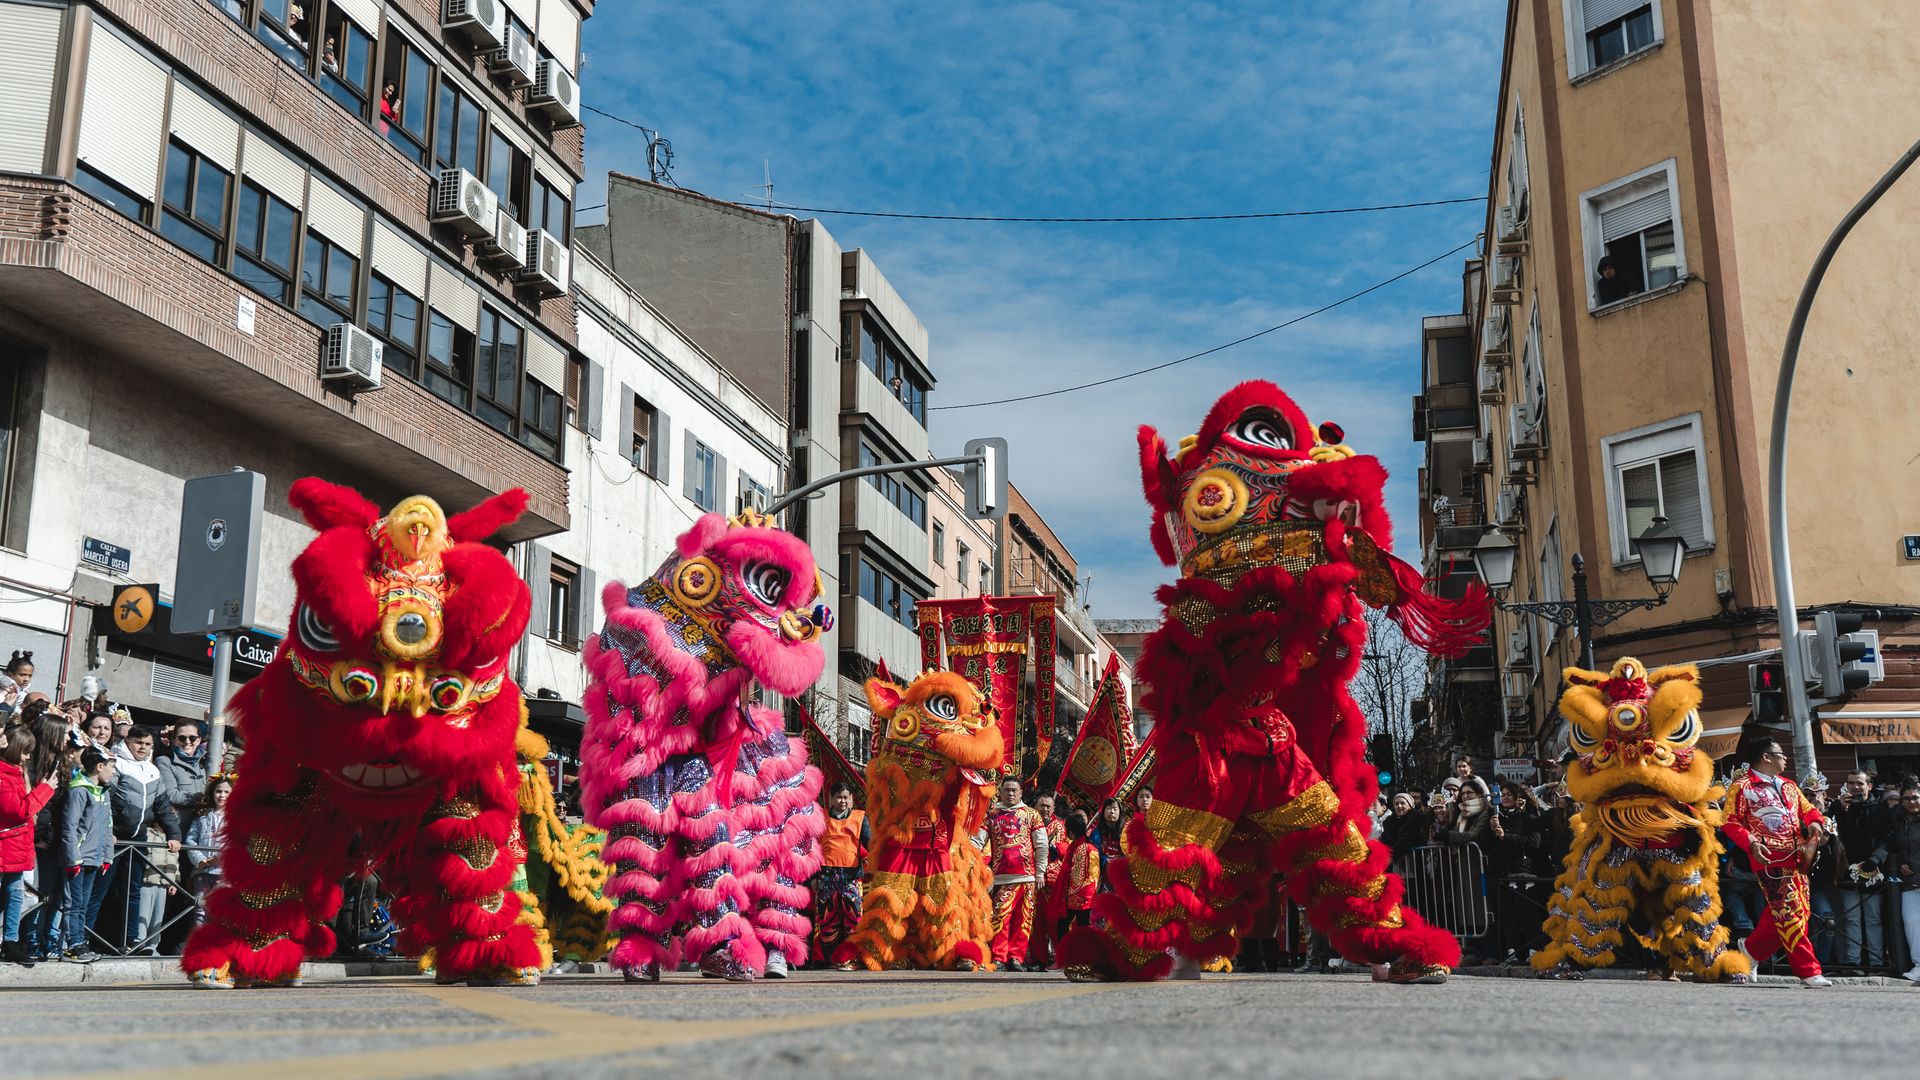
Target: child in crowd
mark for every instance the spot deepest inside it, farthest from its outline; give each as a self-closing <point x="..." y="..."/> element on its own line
<point x="1082" y="878"/>
<point x="89" y="848"/>
<point x="207" y="831"/>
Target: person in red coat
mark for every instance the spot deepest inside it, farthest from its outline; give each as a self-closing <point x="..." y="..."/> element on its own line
<point x="1775" y="825"/>
<point x="18" y="805"/>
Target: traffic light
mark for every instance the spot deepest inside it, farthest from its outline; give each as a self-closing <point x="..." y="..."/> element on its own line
<point x="1767" y="686"/>
<point x="1380" y="750"/>
<point x="1844" y="655"/>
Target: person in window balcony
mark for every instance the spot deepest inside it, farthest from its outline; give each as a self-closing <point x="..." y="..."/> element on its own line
<point x="389" y="106"/>
<point x="330" y="56"/>
<point x="1609" y="283"/>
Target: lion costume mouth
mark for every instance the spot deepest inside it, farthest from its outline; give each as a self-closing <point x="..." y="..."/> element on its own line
<point x="1638" y="815"/>
<point x="387" y="777"/>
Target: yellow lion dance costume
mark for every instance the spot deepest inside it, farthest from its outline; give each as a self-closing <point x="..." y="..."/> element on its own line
<point x="1645" y="858"/>
<point x="560" y="880"/>
<point x="928" y="900"/>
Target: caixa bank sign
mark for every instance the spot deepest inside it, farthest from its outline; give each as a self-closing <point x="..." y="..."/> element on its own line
<point x="254" y="648"/>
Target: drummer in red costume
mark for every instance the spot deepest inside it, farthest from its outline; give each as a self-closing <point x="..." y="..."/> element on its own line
<point x="1018" y="850"/>
<point x="1775" y="824"/>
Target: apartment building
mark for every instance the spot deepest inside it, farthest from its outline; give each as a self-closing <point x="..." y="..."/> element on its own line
<point x="1662" y="176"/>
<point x="663" y="434"/>
<point x="819" y="334"/>
<point x="213" y="217"/>
<point x="962" y="548"/>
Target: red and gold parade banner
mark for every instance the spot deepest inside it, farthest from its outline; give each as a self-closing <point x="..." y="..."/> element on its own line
<point x="1104" y="746"/>
<point x="987" y="639"/>
<point x="833" y="765"/>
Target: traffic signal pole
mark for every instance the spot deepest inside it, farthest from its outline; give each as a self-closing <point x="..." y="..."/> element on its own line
<point x="1801" y="711"/>
<point x="789" y="498"/>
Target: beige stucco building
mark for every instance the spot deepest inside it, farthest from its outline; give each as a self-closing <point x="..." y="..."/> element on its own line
<point x="1705" y="150"/>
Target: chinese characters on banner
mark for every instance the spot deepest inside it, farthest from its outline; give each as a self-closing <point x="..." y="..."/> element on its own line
<point x="987" y="641"/>
<point x="1105" y="745"/>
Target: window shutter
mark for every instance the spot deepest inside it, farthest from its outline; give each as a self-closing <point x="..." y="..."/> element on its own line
<point x="527" y="10"/>
<point x="662" y="443"/>
<point x="273" y="170"/>
<point x="196" y="122"/>
<point x="547" y="363"/>
<point x="691" y="469"/>
<point x="1634" y="215"/>
<point x="588" y="604"/>
<point x="592" y="412"/>
<point x="455" y="299"/>
<point x="364" y="13"/>
<point x="560" y="32"/>
<point x="337" y="218"/>
<point x="720" y="502"/>
<point x="29" y="54"/>
<point x="1601" y="12"/>
<point x="539" y="574"/>
<point x="398" y="261"/>
<point x="623" y="407"/>
<point x="120" y="130"/>
<point x="1680" y="497"/>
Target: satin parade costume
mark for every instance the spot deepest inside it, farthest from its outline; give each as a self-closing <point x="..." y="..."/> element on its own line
<point x="709" y="808"/>
<point x="1769" y="818"/>
<point x="1259" y="749"/>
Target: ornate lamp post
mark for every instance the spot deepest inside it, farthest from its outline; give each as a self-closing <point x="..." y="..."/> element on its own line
<point x="1661" y="550"/>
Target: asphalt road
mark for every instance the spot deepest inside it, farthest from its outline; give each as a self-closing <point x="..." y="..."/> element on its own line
<point x="894" y="1025"/>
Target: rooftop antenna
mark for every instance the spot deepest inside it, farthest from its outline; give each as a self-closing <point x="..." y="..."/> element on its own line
<point x="659" y="158"/>
<point x="766" y="190"/>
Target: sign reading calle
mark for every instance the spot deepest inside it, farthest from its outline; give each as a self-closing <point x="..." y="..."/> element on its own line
<point x="1912" y="545"/>
<point x="112" y="558"/>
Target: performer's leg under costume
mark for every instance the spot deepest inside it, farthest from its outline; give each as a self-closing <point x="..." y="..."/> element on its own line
<point x="1691" y="936"/>
<point x="1221" y="824"/>
<point x="1587" y="917"/>
<point x="1784" y="924"/>
<point x="454" y="897"/>
<point x="1012" y="921"/>
<point x="919" y="910"/>
<point x="835" y="910"/>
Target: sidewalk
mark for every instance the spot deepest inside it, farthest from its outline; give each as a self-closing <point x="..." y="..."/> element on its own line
<point x="120" y="970"/>
<point x="1523" y="971"/>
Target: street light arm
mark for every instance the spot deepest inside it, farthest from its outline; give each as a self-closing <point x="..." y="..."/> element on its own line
<point x="1557" y="612"/>
<point x="1801" y="712"/>
<point x="789" y="498"/>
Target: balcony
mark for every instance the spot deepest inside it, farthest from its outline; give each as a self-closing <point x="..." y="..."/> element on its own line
<point x="876" y="635"/>
<point x="1451" y="407"/>
<point x="888" y="525"/>
<point x="1458" y="524"/>
<point x="884" y="411"/>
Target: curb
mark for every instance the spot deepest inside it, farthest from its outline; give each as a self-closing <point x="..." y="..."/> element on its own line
<point x="166" y="969"/>
<point x="1522" y="971"/>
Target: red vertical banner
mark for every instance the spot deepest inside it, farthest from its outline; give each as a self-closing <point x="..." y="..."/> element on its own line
<point x="833" y="765"/>
<point x="1045" y="689"/>
<point x="987" y="639"/>
<point x="1105" y="745"/>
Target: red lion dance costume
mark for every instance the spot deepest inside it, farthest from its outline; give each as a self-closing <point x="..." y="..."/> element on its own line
<point x="382" y="737"/>
<point x="709" y="808"/>
<point x="1259" y="748"/>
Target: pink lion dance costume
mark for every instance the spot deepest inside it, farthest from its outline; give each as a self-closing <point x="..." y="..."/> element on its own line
<point x="1259" y="760"/>
<point x="709" y="808"/>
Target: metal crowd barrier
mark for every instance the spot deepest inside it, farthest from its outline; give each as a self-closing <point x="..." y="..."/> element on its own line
<point x="128" y="872"/>
<point x="1447" y="885"/>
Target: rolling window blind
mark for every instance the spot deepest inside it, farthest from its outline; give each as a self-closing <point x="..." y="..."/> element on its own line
<point x="451" y="296"/>
<point x="398" y="261"/>
<point x="196" y="122"/>
<point x="29" y="44"/>
<point x="120" y="129"/>
<point x="337" y="218"/>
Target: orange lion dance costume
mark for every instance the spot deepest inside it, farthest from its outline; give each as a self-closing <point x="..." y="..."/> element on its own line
<point x="927" y="901"/>
<point x="1260" y="764"/>
<point x="380" y="737"/>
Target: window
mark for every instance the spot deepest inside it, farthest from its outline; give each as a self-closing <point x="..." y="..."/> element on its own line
<point x="703" y="477"/>
<point x="550" y="210"/>
<point x="846" y="574"/>
<point x="960" y="553"/>
<point x="1605" y="31"/>
<point x="393" y="314"/>
<point x="753" y="495"/>
<point x="563" y="603"/>
<point x="1633" y="238"/>
<point x="264" y="239"/>
<point x="888" y="363"/>
<point x="541" y="409"/>
<point x="986" y="577"/>
<point x="110" y="192"/>
<point x="285" y="28"/>
<point x="641" y="452"/>
<point x="1546" y="633"/>
<point x="327" y="282"/>
<point x="194" y="206"/>
<point x="885" y="592"/>
<point x="235" y="9"/>
<point x="346" y="63"/>
<point x="1517" y="180"/>
<point x="405" y="86"/>
<point x="903" y="495"/>
<point x="939" y="544"/>
<point x="507" y="169"/>
<point x="1657" y="470"/>
<point x="498" y="370"/>
<point x="456" y="142"/>
<point x="449" y="367"/>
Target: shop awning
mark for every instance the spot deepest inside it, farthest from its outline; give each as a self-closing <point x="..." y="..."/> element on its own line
<point x="1722" y="727"/>
<point x="1872" y="722"/>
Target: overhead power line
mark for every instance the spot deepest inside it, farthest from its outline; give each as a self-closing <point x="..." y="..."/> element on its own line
<point x="1376" y="286"/>
<point x="1018" y="220"/>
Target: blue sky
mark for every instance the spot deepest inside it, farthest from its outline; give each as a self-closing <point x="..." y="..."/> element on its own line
<point x="1115" y="108"/>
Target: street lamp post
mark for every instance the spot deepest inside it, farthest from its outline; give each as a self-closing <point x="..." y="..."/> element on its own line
<point x="1661" y="549"/>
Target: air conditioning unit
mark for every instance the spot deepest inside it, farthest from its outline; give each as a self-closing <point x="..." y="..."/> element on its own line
<point x="462" y="201"/>
<point x="351" y="356"/>
<point x="1492" y="384"/>
<point x="1524" y="430"/>
<point x="555" y="94"/>
<point x="548" y="264"/>
<point x="1496" y="339"/>
<point x="1512" y="226"/>
<point x="1483" y="453"/>
<point x="514" y="62"/>
<point x="1506" y="509"/>
<point x="483" y="23"/>
<point x="507" y="243"/>
<point x="1519" y="651"/>
<point x="1506" y="280"/>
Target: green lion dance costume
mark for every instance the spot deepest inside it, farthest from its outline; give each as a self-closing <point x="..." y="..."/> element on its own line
<point x="561" y="877"/>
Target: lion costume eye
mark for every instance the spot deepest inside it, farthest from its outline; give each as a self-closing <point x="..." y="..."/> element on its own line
<point x="1580" y="737"/>
<point x="1687" y="730"/>
<point x="944" y="706"/>
<point x="1263" y="429"/>
<point x="766" y="581"/>
<point x="315" y="635"/>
